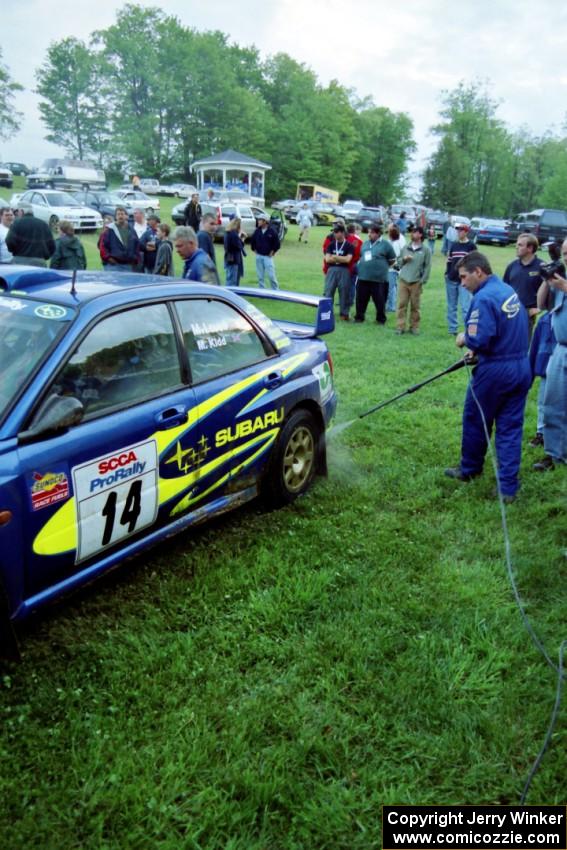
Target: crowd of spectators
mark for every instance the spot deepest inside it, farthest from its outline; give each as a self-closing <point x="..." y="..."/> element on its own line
<point x="390" y="268"/>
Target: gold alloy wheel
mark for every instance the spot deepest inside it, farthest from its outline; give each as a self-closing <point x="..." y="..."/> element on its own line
<point x="298" y="459"/>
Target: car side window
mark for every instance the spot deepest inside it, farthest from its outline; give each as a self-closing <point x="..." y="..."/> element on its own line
<point x="38" y="199"/>
<point x="125" y="358"/>
<point x="218" y="338"/>
<point x="554" y="218"/>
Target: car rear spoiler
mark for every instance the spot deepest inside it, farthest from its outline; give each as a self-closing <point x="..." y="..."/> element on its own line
<point x="324" y="320"/>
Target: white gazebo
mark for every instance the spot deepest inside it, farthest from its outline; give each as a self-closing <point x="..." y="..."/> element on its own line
<point x="232" y="170"/>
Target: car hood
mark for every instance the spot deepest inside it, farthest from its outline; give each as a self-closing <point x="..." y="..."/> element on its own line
<point x="65" y="212"/>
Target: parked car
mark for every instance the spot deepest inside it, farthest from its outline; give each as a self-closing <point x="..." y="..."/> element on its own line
<point x="323" y="213"/>
<point x="53" y="206"/>
<point x="408" y="209"/>
<point x="153" y="187"/>
<point x="149" y="185"/>
<point x="490" y="231"/>
<point x="104" y="202"/>
<point x="138" y="200"/>
<point x="457" y="217"/>
<point x="367" y="216"/>
<point x="223" y="212"/>
<point x="546" y="225"/>
<point x="437" y="218"/>
<point x="6" y="177"/>
<point x="67" y="175"/>
<point x="350" y="209"/>
<point x="184" y="190"/>
<point x="281" y="205"/>
<point x="17" y="168"/>
<point x="140" y="409"/>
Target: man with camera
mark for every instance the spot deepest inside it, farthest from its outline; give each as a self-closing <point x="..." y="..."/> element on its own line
<point x="523" y="275"/>
<point x="496" y="331"/>
<point x="552" y="294"/>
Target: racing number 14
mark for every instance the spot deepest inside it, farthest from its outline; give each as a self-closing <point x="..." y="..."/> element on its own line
<point x="116" y="495"/>
<point x="130" y="514"/>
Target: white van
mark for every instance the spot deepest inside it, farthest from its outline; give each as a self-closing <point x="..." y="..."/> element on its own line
<point x="72" y="175"/>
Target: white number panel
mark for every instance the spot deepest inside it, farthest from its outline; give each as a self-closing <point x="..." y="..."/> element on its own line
<point x="116" y="495"/>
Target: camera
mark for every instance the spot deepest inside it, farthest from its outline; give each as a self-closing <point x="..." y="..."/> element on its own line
<point x="548" y="270"/>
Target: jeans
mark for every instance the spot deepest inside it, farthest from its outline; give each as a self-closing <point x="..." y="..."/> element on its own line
<point x="431" y="243"/>
<point x="456" y="294"/>
<point x="339" y="278"/>
<point x="392" y="290"/>
<point x="540" y="401"/>
<point x="352" y="290"/>
<point x="265" y="265"/>
<point x="232" y="273"/>
<point x="555" y="405"/>
<point x="117" y="267"/>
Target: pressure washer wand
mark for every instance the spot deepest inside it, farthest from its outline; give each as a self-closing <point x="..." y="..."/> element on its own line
<point x="458" y="365"/>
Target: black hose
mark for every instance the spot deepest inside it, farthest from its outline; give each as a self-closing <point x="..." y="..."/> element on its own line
<point x="458" y="365"/>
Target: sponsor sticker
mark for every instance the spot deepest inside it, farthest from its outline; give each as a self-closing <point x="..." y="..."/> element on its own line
<point x="48" y="488"/>
<point x="323" y="374"/>
<point x="511" y="306"/>
<point x="248" y="427"/>
<point x="12" y="304"/>
<point x="50" y="311"/>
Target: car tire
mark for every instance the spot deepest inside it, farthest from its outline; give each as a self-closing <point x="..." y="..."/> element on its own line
<point x="86" y="187"/>
<point x="53" y="222"/>
<point x="294" y="461"/>
<point x="150" y="211"/>
<point x="315" y="221"/>
<point x="50" y="184"/>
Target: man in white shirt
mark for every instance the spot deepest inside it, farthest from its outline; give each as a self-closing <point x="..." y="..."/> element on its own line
<point x="304" y="220"/>
<point x="6" y="219"/>
<point x="140" y="224"/>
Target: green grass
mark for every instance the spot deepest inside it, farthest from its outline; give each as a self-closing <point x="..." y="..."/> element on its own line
<point x="272" y="679"/>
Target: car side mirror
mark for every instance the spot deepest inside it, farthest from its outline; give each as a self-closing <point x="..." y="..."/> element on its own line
<point x="57" y="413"/>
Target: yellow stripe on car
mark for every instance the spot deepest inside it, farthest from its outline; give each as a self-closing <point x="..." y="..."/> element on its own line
<point x="60" y="533"/>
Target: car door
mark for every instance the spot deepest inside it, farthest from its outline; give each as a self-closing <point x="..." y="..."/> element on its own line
<point x="93" y="491"/>
<point x="242" y="396"/>
<point x="40" y="207"/>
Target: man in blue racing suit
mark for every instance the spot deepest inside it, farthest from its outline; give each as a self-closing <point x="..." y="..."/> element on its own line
<point x="497" y="333"/>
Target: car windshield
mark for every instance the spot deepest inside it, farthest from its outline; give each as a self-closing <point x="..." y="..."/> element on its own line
<point x="27" y="330"/>
<point x="109" y="198"/>
<point x="61" y="199"/>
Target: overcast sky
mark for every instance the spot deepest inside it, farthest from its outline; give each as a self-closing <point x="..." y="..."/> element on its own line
<point x="402" y="54"/>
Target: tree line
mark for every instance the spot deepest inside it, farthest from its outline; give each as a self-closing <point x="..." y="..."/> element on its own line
<point x="481" y="167"/>
<point x="150" y="95"/>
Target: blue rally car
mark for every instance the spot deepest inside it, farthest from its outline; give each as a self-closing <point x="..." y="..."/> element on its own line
<point x="132" y="407"/>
